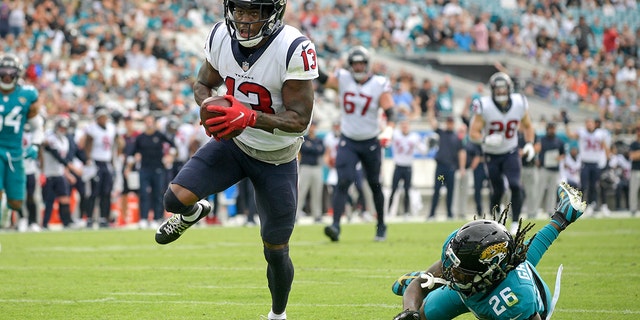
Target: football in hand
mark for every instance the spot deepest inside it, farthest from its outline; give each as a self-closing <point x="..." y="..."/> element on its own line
<point x="206" y="114"/>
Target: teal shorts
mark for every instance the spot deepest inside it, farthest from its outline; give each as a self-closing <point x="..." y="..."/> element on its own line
<point x="13" y="180"/>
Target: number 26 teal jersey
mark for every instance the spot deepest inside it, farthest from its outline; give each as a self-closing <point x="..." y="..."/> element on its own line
<point x="14" y="109"/>
<point x="518" y="296"/>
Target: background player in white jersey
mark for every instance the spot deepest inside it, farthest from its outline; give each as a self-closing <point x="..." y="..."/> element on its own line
<point x="362" y="94"/>
<point x="99" y="143"/>
<point x="18" y="103"/>
<point x="570" y="167"/>
<point x="405" y="144"/>
<point x="593" y="148"/>
<point x="331" y="141"/>
<point x="268" y="70"/>
<point x="495" y="124"/>
<point x="54" y="167"/>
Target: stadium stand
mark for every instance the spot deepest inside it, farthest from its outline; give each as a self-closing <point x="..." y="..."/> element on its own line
<point x="137" y="57"/>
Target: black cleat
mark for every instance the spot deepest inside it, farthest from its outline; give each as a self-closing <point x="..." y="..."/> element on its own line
<point x="381" y="233"/>
<point x="175" y="226"/>
<point x="332" y="232"/>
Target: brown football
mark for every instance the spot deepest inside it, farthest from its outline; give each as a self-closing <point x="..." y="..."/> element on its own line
<point x="206" y="114"/>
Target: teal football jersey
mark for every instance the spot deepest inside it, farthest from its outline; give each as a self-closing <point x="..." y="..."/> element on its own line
<point x="14" y="108"/>
<point x="516" y="297"/>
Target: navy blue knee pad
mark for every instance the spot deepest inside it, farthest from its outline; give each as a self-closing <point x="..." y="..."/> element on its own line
<point x="173" y="204"/>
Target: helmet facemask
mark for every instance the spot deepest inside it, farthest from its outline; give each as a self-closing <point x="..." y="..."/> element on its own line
<point x="10" y="71"/>
<point x="483" y="252"/>
<point x="501" y="95"/>
<point x="358" y="60"/>
<point x="8" y="78"/>
<point x="251" y="21"/>
<point x="61" y="127"/>
<point x="469" y="281"/>
<point x="501" y="86"/>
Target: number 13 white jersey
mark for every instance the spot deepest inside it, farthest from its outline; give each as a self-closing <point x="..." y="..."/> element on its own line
<point x="504" y="123"/>
<point x="256" y="80"/>
<point x="360" y="105"/>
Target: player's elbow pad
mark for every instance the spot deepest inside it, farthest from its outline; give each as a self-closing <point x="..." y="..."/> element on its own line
<point x="37" y="127"/>
<point x="322" y="77"/>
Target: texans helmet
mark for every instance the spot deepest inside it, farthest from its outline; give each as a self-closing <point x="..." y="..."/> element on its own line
<point x="478" y="256"/>
<point x="359" y="54"/>
<point x="10" y="71"/>
<point x="501" y="88"/>
<point x="61" y="123"/>
<point x="269" y="21"/>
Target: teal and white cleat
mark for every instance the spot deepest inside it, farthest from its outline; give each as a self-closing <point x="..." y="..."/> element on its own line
<point x="570" y="207"/>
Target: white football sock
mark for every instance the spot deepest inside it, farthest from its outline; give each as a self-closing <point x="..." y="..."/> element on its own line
<point x="273" y="316"/>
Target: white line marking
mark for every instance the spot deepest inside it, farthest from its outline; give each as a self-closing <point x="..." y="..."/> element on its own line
<point x="220" y="303"/>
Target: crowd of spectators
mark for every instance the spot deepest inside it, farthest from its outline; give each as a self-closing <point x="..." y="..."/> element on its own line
<point x="141" y="57"/>
<point x="138" y="56"/>
<point x="587" y="50"/>
<point x="125" y="55"/>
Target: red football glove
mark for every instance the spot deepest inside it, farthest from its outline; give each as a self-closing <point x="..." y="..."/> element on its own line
<point x="233" y="118"/>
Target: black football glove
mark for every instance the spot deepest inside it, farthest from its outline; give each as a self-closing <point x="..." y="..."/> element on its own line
<point x="408" y="315"/>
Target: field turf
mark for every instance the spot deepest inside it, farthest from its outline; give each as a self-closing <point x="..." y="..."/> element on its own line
<point x="219" y="273"/>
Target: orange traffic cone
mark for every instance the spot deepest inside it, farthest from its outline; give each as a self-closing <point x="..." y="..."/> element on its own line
<point x="134" y="208"/>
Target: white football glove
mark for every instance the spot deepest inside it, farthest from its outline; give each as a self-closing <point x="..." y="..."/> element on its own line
<point x="528" y="151"/>
<point x="385" y="137"/>
<point x="493" y="140"/>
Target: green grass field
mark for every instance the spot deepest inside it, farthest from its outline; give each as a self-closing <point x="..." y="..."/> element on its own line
<point x="219" y="273"/>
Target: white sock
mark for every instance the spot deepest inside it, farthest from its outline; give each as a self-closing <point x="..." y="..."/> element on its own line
<point x="194" y="216"/>
<point x="282" y="316"/>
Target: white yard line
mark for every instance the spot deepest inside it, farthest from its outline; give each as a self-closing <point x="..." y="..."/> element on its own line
<point x="220" y="303"/>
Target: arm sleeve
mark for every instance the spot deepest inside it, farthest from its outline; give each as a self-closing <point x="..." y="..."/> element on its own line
<point x="56" y="155"/>
<point x="541" y="243"/>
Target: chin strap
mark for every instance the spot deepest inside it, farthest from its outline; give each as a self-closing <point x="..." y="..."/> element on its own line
<point x="432" y="281"/>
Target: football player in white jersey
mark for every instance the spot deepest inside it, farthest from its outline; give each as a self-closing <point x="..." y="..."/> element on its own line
<point x="55" y="163"/>
<point x="362" y="94"/>
<point x="99" y="143"/>
<point x="495" y="124"/>
<point x="405" y="144"/>
<point x="268" y="69"/>
<point x="593" y="148"/>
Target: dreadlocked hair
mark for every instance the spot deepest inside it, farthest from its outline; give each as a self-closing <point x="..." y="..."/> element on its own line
<point x="519" y="246"/>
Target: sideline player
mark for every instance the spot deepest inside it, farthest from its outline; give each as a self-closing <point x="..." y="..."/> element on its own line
<point x="268" y="69"/>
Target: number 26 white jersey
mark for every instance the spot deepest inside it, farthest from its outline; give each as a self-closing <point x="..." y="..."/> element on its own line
<point x="504" y="123"/>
